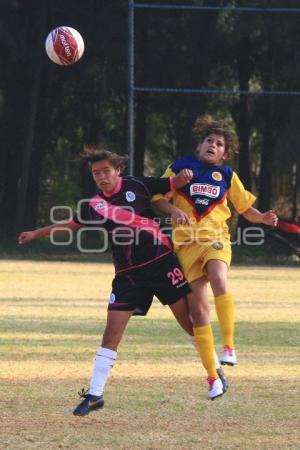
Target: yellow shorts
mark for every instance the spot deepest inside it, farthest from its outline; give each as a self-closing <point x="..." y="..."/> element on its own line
<point x="194" y="257"/>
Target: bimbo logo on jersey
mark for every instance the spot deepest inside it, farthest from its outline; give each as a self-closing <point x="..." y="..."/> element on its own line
<point x="205" y="189"/>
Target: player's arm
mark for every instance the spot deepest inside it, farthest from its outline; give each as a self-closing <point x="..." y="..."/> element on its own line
<point x="168" y="182"/>
<point x="28" y="236"/>
<point x="182" y="178"/>
<point x="162" y="202"/>
<point x="255" y="216"/>
<point x="164" y="206"/>
<point x="243" y="200"/>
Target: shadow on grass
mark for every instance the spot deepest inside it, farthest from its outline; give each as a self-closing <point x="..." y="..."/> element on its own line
<point x="44" y="250"/>
<point x="272" y="334"/>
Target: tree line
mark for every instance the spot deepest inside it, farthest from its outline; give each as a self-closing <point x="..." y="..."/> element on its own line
<point x="48" y="112"/>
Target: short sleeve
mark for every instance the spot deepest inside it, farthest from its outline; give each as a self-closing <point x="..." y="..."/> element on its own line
<point x="167" y="174"/>
<point x="157" y="185"/>
<point x="239" y="196"/>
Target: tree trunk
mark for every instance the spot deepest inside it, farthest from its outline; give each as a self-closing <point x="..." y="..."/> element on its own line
<point x="265" y="176"/>
<point x="23" y="199"/>
<point x="142" y="53"/>
<point x="244" y="73"/>
<point x="296" y="184"/>
<point x="203" y="31"/>
<point x="140" y="141"/>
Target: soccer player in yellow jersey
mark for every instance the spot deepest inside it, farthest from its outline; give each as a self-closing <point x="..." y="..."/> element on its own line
<point x="201" y="238"/>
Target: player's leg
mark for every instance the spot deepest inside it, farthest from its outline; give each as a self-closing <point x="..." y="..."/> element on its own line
<point x="104" y="361"/>
<point x="107" y="353"/>
<point x="122" y="304"/>
<point x="181" y="314"/>
<point x="217" y="272"/>
<point x="199" y="312"/>
<point x="204" y="340"/>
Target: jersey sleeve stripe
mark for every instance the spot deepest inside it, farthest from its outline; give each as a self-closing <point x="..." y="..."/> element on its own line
<point x="128" y="218"/>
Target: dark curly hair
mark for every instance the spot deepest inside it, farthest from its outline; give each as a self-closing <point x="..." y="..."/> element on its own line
<point x="91" y="154"/>
<point x="206" y="125"/>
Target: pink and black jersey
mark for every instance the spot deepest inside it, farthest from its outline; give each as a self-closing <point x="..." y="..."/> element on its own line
<point x="126" y="214"/>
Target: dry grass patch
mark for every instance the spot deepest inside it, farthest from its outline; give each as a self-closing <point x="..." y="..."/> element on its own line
<point x="52" y="316"/>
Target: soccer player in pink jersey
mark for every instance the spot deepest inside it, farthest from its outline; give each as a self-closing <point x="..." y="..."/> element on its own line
<point x="145" y="264"/>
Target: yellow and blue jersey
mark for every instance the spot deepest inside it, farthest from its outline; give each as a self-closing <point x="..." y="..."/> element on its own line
<point x="204" y="200"/>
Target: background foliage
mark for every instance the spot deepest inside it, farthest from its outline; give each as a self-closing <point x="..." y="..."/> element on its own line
<point x="48" y="112"/>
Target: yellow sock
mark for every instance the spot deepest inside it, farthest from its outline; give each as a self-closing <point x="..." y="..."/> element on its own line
<point x="204" y="342"/>
<point x="225" y="312"/>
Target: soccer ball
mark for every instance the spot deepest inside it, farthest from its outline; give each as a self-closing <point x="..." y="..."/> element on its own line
<point x="64" y="46"/>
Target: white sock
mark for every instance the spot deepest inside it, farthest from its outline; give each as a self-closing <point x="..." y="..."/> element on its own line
<point x="218" y="365"/>
<point x="103" y="364"/>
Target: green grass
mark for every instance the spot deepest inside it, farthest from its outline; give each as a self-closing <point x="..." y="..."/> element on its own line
<point x="52" y="316"/>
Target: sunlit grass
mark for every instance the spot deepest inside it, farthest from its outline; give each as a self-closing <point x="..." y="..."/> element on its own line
<point x="52" y="317"/>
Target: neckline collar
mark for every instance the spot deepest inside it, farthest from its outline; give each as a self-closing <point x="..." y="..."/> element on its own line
<point x="116" y="189"/>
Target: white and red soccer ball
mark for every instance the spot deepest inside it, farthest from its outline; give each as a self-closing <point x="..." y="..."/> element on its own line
<point x="64" y="46"/>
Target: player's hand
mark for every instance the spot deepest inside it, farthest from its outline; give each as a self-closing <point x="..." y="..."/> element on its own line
<point x="270" y="218"/>
<point x="182" y="178"/>
<point x="26" y="237"/>
<point x="179" y="217"/>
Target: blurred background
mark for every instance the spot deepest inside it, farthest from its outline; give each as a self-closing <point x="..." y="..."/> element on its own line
<point x="48" y="112"/>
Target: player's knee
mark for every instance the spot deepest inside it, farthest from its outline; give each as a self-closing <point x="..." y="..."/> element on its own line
<point x="218" y="283"/>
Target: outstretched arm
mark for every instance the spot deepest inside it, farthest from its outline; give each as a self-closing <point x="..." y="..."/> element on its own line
<point x="255" y="216"/>
<point x="28" y="236"/>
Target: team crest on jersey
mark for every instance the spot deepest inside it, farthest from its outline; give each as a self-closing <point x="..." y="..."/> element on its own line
<point x="217" y="245"/>
<point x="112" y="298"/>
<point x="204" y="189"/>
<point x="100" y="205"/>
<point x="217" y="176"/>
<point x="130" y="196"/>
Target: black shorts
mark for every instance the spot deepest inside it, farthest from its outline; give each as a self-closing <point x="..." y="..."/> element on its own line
<point x="134" y="290"/>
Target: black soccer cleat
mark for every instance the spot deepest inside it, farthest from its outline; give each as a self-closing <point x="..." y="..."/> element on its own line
<point x="224" y="380"/>
<point x="90" y="403"/>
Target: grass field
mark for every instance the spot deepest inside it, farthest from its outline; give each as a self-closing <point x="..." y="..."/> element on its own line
<point x="52" y="317"/>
